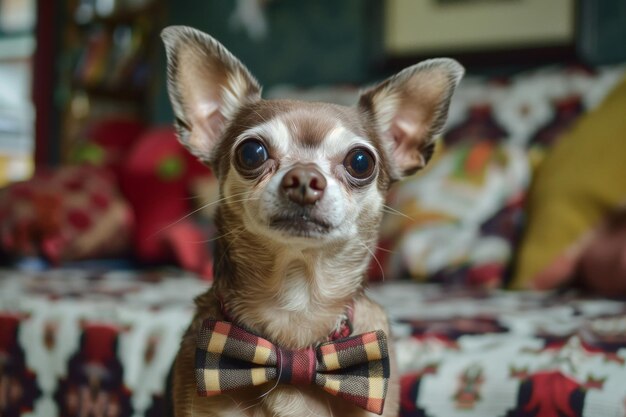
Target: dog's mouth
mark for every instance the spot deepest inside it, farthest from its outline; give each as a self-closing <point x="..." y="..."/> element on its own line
<point x="301" y="225"/>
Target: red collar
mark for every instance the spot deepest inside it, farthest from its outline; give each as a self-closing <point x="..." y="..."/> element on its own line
<point x="343" y="330"/>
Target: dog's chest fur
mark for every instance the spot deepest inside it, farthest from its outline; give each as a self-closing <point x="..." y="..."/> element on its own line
<point x="302" y="297"/>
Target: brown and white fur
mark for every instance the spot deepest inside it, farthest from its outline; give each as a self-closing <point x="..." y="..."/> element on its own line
<point x="287" y="268"/>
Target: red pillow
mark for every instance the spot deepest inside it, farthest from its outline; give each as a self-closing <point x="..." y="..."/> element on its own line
<point x="71" y="213"/>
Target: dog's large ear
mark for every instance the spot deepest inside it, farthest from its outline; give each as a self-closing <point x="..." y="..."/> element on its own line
<point x="410" y="108"/>
<point x="206" y="84"/>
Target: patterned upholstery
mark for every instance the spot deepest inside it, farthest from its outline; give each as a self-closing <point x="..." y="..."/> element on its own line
<point x="69" y="339"/>
<point x="459" y="220"/>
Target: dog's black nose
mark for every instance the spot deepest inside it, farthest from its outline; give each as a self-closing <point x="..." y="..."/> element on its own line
<point x="304" y="184"/>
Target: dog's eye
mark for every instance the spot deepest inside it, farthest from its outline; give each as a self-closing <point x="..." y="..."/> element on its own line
<point x="251" y="154"/>
<point x="359" y="163"/>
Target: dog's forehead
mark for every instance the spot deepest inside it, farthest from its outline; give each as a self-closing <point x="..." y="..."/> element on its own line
<point x="312" y="126"/>
<point x="304" y="125"/>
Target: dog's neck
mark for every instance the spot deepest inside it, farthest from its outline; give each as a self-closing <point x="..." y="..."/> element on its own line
<point x="292" y="296"/>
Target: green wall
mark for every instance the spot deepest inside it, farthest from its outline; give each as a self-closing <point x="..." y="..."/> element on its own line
<point x="308" y="42"/>
<point x="602" y="31"/>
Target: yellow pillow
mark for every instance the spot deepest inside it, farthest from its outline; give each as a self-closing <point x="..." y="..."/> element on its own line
<point x="580" y="182"/>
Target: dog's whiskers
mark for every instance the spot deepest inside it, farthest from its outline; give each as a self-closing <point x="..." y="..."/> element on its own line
<point x="200" y="209"/>
<point x="391" y="210"/>
<point x="380" y="248"/>
<point x="263" y="119"/>
<point x="380" y="267"/>
<point x="280" y="374"/>
<point x="236" y="403"/>
<point x="234" y="238"/>
<point x="235" y="230"/>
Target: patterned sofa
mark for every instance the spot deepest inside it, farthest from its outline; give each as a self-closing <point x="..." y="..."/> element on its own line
<point x="74" y="343"/>
<point x="79" y="342"/>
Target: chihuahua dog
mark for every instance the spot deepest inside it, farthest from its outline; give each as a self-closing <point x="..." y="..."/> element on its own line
<point x="302" y="190"/>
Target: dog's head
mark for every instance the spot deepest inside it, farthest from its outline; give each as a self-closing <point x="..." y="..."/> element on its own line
<point x="303" y="173"/>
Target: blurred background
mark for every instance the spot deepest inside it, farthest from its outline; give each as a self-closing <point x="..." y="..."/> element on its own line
<point x="66" y="63"/>
<point x="106" y="228"/>
<point x="82" y="86"/>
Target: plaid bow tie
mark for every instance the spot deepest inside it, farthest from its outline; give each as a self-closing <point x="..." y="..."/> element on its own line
<point x="355" y="368"/>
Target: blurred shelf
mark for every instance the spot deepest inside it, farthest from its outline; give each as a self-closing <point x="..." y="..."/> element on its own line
<point x="122" y="17"/>
<point x="108" y="64"/>
<point x="114" y="93"/>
